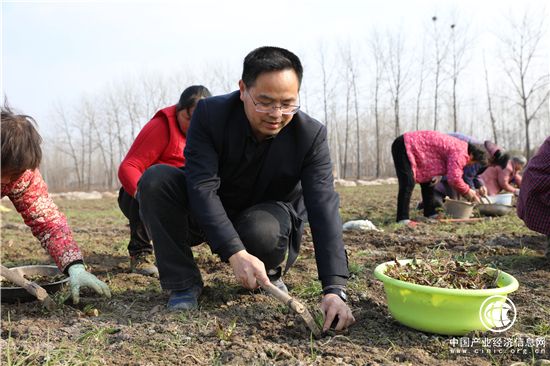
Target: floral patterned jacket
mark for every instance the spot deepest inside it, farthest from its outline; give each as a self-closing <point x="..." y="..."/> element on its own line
<point x="29" y="195"/>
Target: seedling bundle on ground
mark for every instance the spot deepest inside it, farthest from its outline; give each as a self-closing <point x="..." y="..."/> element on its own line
<point x="445" y="273"/>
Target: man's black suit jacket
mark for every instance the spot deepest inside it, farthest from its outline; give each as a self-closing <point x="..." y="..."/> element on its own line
<point x="296" y="170"/>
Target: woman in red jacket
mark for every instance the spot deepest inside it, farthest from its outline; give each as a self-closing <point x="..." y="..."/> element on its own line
<point x="421" y="155"/>
<point x="161" y="141"/>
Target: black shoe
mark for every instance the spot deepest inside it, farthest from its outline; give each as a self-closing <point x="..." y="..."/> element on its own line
<point x="187" y="299"/>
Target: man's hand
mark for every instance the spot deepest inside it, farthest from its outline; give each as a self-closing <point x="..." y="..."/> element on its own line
<point x="248" y="269"/>
<point x="332" y="305"/>
<point x="472" y="196"/>
<point x="79" y="277"/>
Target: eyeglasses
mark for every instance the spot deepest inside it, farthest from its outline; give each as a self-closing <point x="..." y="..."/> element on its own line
<point x="287" y="109"/>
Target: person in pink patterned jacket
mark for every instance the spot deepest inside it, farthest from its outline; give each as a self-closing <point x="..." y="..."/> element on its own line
<point x="496" y="178"/>
<point x="23" y="184"/>
<point x="421" y="155"/>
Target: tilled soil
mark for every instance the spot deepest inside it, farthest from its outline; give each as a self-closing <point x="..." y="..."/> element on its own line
<point x="238" y="327"/>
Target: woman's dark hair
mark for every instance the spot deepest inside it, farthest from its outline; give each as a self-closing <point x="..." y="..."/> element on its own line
<point x="479" y="153"/>
<point x="191" y="96"/>
<point x="20" y="143"/>
<point x="501" y="159"/>
<point x="265" y="59"/>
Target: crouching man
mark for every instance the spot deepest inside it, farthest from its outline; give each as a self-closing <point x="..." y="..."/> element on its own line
<point x="254" y="164"/>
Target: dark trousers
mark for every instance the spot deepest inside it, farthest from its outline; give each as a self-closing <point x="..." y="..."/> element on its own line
<point x="139" y="240"/>
<point x="405" y="177"/>
<point x="263" y="228"/>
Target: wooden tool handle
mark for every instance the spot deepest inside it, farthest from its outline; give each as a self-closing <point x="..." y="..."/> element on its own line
<point x="296" y="306"/>
<point x="473" y="219"/>
<point x="283" y="297"/>
<point x="31" y="287"/>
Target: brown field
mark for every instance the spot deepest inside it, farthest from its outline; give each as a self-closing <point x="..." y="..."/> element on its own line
<point x="237" y="327"/>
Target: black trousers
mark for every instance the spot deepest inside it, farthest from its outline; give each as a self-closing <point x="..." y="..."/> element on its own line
<point x="139" y="240"/>
<point x="405" y="177"/>
<point x="264" y="228"/>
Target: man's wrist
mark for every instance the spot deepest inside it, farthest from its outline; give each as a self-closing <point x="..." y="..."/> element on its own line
<point x="338" y="290"/>
<point x="235" y="256"/>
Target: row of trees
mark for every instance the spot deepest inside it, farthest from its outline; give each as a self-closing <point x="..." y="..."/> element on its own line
<point x="367" y="93"/>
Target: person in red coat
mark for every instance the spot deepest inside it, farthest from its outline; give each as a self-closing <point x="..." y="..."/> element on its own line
<point x="22" y="183"/>
<point x="534" y="196"/>
<point x="421" y="155"/>
<point x="161" y="141"/>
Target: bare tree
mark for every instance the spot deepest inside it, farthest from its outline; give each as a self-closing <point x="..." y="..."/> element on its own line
<point x="89" y="120"/>
<point x="326" y="95"/>
<point x="114" y="117"/>
<point x="68" y="146"/>
<point x="132" y="109"/>
<point x="460" y="42"/>
<point x="103" y="137"/>
<point x="347" y="129"/>
<point x="378" y="58"/>
<point x="344" y="146"/>
<point x="352" y="73"/>
<point x="220" y="77"/>
<point x="440" y="48"/>
<point x="154" y="93"/>
<point x="421" y="78"/>
<point x="489" y="103"/>
<point x="520" y="54"/>
<point x="397" y="74"/>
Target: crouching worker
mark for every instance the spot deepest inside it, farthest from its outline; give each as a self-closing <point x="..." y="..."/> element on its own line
<point x="23" y="184"/>
<point x="498" y="178"/>
<point x="534" y="197"/>
<point x="420" y="155"/>
<point x="254" y="163"/>
<point x="161" y="141"/>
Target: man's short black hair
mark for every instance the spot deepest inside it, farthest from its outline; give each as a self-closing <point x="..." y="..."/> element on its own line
<point x="266" y="59"/>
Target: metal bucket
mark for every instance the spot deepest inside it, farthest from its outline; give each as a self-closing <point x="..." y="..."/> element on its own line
<point x="458" y="209"/>
<point x="494" y="209"/>
<point x="15" y="294"/>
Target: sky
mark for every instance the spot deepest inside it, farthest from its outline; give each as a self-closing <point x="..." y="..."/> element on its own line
<point x="58" y="51"/>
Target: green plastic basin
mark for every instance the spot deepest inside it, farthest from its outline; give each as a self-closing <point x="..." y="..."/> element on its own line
<point x="439" y="310"/>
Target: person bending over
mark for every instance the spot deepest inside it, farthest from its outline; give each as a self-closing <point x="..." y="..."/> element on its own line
<point x="23" y="184"/>
<point x="421" y="155"/>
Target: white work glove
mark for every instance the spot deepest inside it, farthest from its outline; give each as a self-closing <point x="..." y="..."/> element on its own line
<point x="79" y="277"/>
